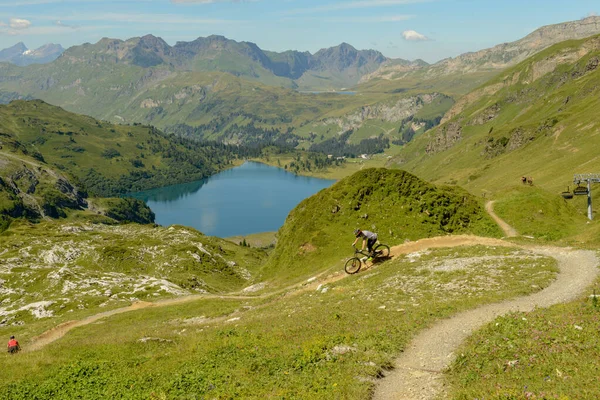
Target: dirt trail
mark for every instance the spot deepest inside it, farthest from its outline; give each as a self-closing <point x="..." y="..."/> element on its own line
<point x="509" y="231"/>
<point x="61" y="330"/>
<point x="418" y="373"/>
<point x="445" y="241"/>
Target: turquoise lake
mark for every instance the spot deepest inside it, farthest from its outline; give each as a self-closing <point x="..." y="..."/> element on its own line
<point x="251" y="198"/>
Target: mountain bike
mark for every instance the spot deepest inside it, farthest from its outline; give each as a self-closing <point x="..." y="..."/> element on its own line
<point x="380" y="252"/>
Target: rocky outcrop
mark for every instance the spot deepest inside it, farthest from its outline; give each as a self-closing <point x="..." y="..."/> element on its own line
<point x="508" y="54"/>
<point x="498" y="57"/>
<point x="445" y="138"/>
<point x="519" y="137"/>
<point x="396" y="112"/>
<point x="486" y="115"/>
<point x="35" y="192"/>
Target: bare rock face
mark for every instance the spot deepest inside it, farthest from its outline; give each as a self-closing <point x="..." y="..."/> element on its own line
<point x="445" y="138"/>
<point x="519" y="137"/>
<point x="37" y="192"/>
<point x="396" y="112"/>
<point x="508" y="54"/>
<point x="486" y="115"/>
<point x="501" y="56"/>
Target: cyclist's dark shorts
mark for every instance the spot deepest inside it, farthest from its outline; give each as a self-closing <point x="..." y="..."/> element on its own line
<point x="370" y="243"/>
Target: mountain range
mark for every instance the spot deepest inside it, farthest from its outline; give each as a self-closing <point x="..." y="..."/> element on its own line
<point x="342" y="65"/>
<point x="222" y="89"/>
<point x="20" y="55"/>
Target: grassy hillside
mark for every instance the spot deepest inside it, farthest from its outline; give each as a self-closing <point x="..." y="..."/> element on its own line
<point x="311" y="334"/>
<point x="321" y="344"/>
<point x="32" y="190"/>
<point x="103" y="158"/>
<point x="397" y="205"/>
<point x="537" y="119"/>
<point x="540" y="214"/>
<point x="548" y="353"/>
<point x="217" y="104"/>
<point x="58" y="268"/>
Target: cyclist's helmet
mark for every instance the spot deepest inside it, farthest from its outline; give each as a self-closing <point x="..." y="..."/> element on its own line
<point x="357" y="232"/>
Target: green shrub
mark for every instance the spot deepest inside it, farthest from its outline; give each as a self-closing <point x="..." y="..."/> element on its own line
<point x="130" y="210"/>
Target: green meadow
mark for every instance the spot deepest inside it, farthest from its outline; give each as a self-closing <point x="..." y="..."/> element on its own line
<point x="210" y="318"/>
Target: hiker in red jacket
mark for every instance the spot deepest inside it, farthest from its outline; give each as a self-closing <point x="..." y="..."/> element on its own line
<point x="13" y="345"/>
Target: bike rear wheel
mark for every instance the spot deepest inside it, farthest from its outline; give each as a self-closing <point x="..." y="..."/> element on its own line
<point x="353" y="265"/>
<point x="382" y="251"/>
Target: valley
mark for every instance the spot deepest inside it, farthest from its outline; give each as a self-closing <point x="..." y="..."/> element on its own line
<point x="490" y="290"/>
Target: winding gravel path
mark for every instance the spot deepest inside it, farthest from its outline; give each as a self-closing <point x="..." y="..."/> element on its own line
<point x="418" y="372"/>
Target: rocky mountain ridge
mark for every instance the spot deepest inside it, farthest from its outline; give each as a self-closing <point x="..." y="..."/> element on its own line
<point x="498" y="57"/>
<point x="217" y="53"/>
<point x="20" y="55"/>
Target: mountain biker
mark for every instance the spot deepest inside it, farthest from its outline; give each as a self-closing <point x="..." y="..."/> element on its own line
<point x="369" y="237"/>
<point x="13" y="345"/>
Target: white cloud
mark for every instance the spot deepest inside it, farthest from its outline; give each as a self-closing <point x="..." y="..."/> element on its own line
<point x="593" y="14"/>
<point x="18" y="23"/>
<point x="414" y="36"/>
<point x="62" y="24"/>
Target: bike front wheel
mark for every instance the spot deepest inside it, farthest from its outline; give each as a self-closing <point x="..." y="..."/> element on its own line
<point x="382" y="251"/>
<point x="353" y="265"/>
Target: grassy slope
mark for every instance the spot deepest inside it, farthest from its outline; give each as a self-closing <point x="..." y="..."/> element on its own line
<point x="325" y="346"/>
<point x="78" y="267"/>
<point x="32" y="190"/>
<point x="546" y="354"/>
<point x="536" y="212"/>
<point x="305" y="344"/>
<point x="538" y="354"/>
<point x="330" y="343"/>
<point x="395" y="204"/>
<point x="548" y="121"/>
<point x="77" y="144"/>
<point x="420" y="81"/>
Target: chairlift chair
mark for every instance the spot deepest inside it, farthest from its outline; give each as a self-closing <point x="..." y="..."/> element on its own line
<point x="580" y="191"/>
<point x="567" y="194"/>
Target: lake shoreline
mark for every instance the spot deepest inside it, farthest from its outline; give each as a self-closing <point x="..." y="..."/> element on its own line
<point x="251" y="198"/>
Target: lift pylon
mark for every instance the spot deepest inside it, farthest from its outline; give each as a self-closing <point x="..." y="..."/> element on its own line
<point x="588" y="179"/>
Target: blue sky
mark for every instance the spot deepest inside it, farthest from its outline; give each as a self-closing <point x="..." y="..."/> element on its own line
<point x="409" y="29"/>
